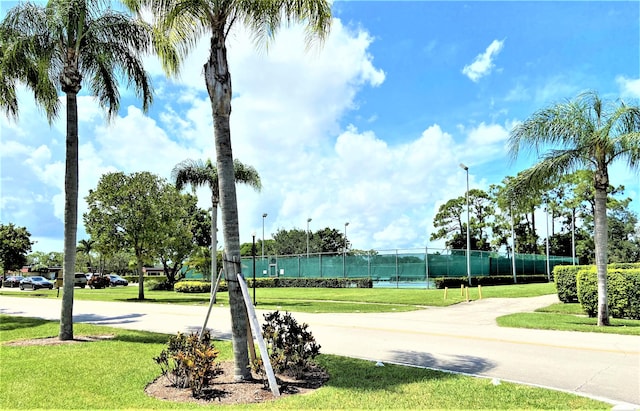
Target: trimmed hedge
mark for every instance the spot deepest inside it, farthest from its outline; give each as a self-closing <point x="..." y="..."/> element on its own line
<point x="565" y="279"/>
<point x="205" y="286"/>
<point x="192" y="287"/>
<point x="623" y="292"/>
<point x="442" y="282"/>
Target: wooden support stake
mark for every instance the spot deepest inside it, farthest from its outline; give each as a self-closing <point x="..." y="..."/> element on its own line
<point x="253" y="320"/>
<point x="445" y="292"/>
<point x="467" y="292"/>
<point x="461" y="290"/>
<point x="479" y="292"/>
<point x="250" y="343"/>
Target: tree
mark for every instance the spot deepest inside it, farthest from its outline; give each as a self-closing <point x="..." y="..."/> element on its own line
<point x="450" y="221"/>
<point x="59" y="46"/>
<point x="15" y="244"/>
<point x="197" y="174"/>
<point x="179" y="238"/>
<point x="187" y="21"/>
<point x="135" y="212"/>
<point x="590" y="134"/>
<point x="85" y="246"/>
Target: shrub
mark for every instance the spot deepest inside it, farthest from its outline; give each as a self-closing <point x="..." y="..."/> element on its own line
<point x="158" y="285"/>
<point x="623" y="292"/>
<point x="565" y="278"/>
<point x="311" y="282"/>
<point x="190" y="362"/>
<point x="292" y="347"/>
<point x="192" y="287"/>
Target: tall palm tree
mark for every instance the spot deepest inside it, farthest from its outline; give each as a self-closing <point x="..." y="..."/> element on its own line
<point x="66" y="44"/>
<point x="198" y="173"/>
<point x="591" y="134"/>
<point x="186" y="22"/>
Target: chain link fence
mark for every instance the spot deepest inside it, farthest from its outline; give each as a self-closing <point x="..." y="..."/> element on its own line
<point x="394" y="267"/>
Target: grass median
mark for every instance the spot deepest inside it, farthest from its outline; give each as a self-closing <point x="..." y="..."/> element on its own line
<point x="112" y="374"/>
<point x="567" y="317"/>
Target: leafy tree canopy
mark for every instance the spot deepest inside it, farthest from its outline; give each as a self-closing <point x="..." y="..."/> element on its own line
<point x="15" y="244"/>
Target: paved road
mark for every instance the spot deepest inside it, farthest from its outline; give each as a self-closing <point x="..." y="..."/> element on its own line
<point x="461" y="338"/>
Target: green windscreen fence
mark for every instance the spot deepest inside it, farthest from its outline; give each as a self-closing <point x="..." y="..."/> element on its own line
<point x="400" y="265"/>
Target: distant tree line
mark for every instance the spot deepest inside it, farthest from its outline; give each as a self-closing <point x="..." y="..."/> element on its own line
<point x="569" y="202"/>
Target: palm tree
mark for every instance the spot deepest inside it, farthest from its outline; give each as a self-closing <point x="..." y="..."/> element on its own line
<point x="198" y="173"/>
<point x="65" y="44"/>
<point x="590" y="134"/>
<point x="86" y="247"/>
<point x="187" y="21"/>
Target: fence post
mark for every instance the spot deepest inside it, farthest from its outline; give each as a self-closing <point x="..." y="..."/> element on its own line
<point x="426" y="263"/>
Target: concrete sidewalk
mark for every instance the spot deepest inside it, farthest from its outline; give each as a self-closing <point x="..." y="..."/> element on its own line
<point x="460" y="338"/>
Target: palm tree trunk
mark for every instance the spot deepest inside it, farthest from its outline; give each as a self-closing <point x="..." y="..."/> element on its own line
<point x="214" y="241"/>
<point x="600" y="239"/>
<point x="70" y="217"/>
<point x="218" y="80"/>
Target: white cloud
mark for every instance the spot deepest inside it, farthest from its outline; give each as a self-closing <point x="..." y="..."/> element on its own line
<point x="628" y="87"/>
<point x="483" y="63"/>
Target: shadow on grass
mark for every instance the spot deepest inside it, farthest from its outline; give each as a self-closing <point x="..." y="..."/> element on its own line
<point x="364" y="375"/>
<point x="11" y="322"/>
<point x="106" y="319"/>
<point x="164" y="300"/>
<point x="459" y="363"/>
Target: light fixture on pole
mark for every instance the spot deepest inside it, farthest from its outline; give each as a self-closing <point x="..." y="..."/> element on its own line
<point x="308" y="221"/>
<point x="465" y="168"/>
<point x="263" y="217"/>
<point x="344" y="251"/>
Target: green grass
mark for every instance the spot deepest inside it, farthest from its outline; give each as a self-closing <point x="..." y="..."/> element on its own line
<point x="112" y="374"/>
<point x="567" y="317"/>
<point x="320" y="300"/>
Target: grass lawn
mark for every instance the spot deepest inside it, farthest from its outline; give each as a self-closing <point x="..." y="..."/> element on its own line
<point x="567" y="317"/>
<point x="112" y="374"/>
<point x="321" y="300"/>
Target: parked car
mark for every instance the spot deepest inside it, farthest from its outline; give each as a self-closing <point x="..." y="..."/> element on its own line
<point x="12" y="281"/>
<point x="35" y="282"/>
<point x="80" y="280"/>
<point x="117" y="280"/>
<point x="98" y="281"/>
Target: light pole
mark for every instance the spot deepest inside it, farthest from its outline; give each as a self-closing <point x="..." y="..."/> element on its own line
<point x="308" y="221"/>
<point x="465" y="168"/>
<point x="344" y="251"/>
<point x="546" y="210"/>
<point x="253" y="255"/>
<point x="263" y="217"/>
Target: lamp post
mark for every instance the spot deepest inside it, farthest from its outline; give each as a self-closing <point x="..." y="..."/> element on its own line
<point x="308" y="221"/>
<point x="465" y="168"/>
<point x="253" y="255"/>
<point x="263" y="217"/>
<point x="344" y="251"/>
<point x="513" y="245"/>
<point x="546" y="210"/>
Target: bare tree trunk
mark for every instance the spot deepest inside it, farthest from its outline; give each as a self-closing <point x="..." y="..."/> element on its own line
<point x="218" y="80"/>
<point x="70" y="216"/>
<point x="601" y="233"/>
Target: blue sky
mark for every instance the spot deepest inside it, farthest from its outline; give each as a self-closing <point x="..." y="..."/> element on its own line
<point x="368" y="129"/>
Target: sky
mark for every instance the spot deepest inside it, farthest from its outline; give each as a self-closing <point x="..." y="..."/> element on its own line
<point x="368" y="128"/>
